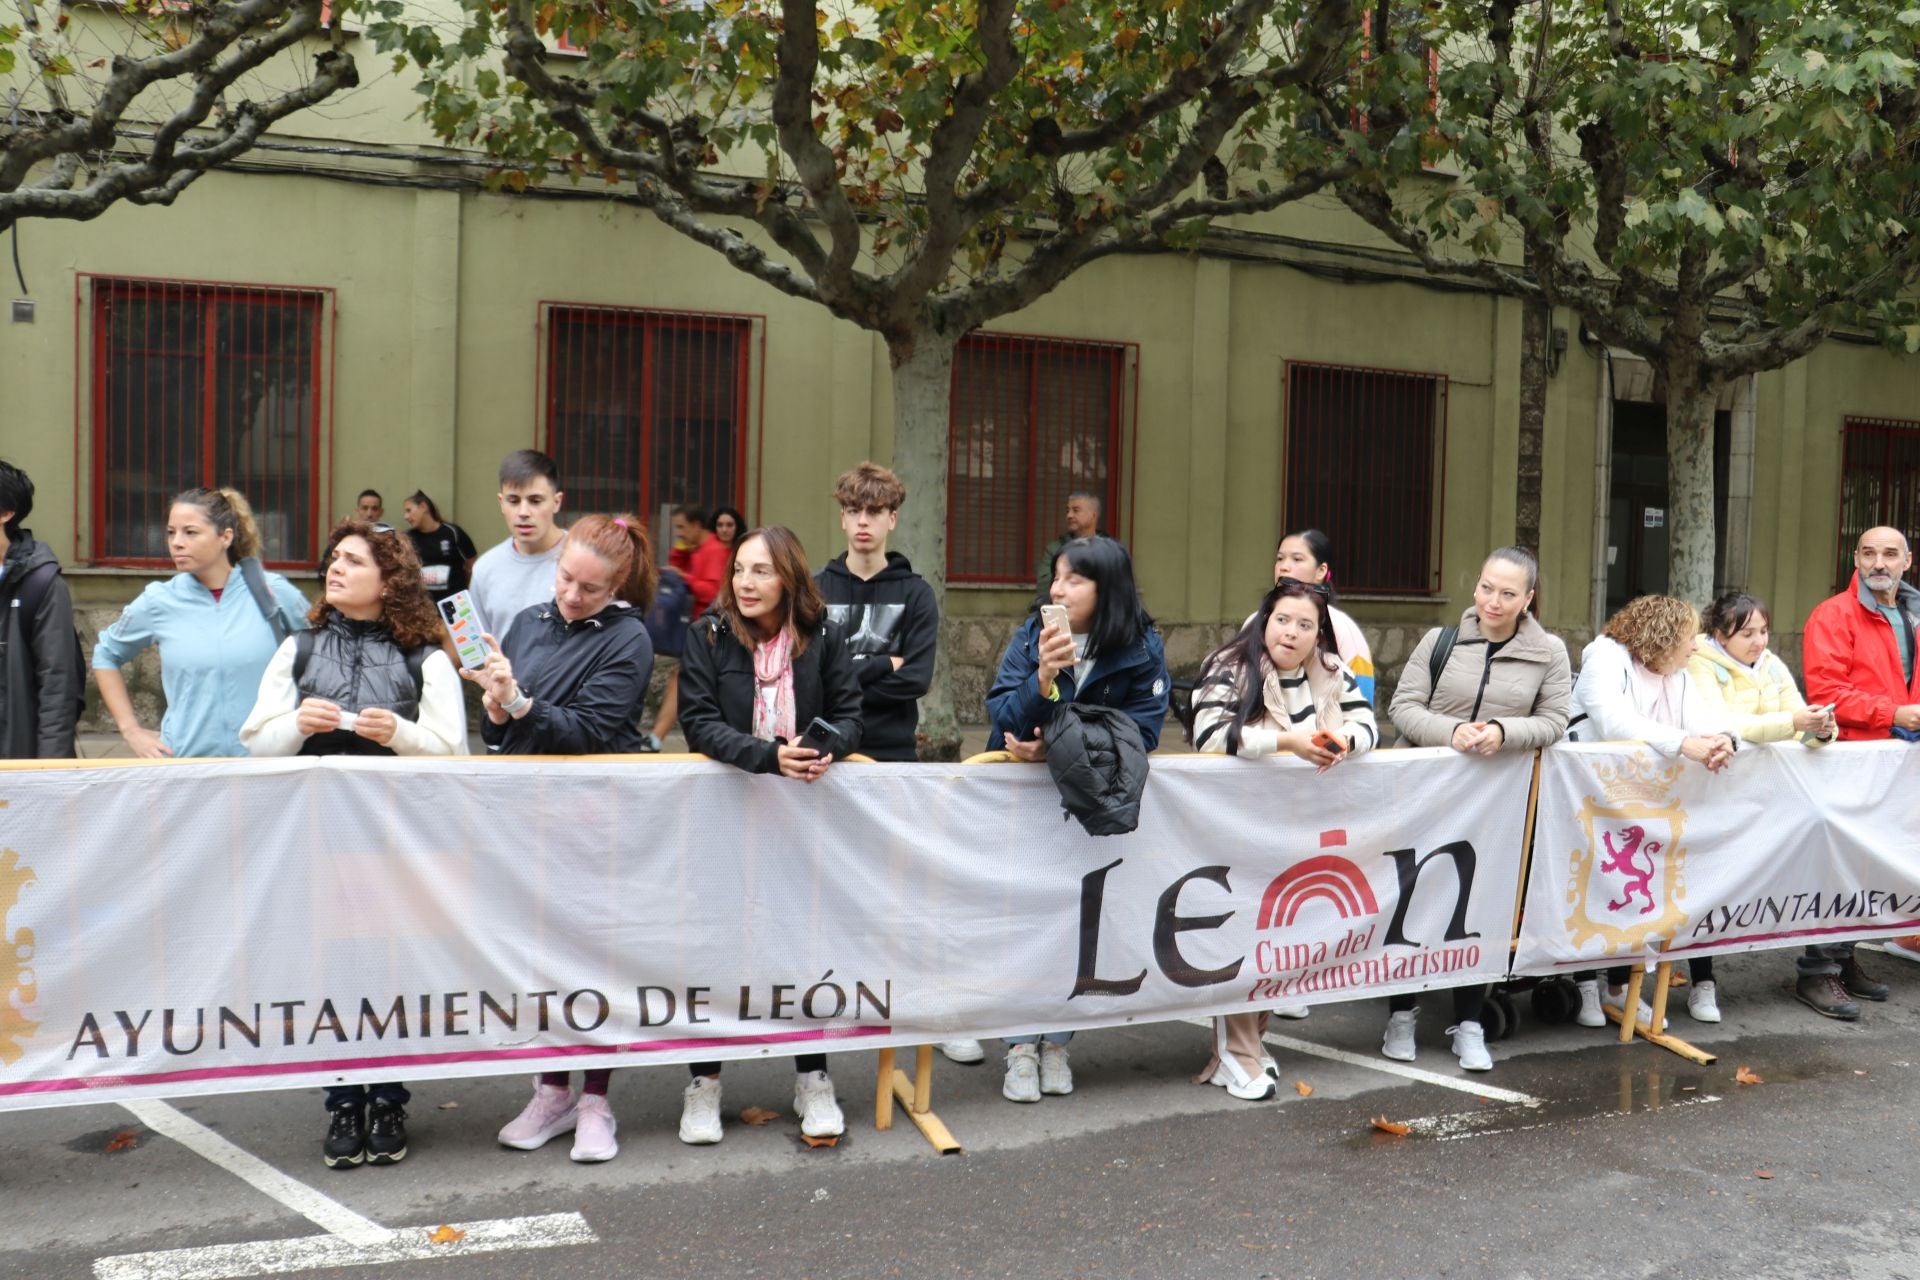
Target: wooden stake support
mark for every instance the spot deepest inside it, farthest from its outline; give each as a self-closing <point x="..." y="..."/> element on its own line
<point x="915" y="1095"/>
<point x="1629" y="1027"/>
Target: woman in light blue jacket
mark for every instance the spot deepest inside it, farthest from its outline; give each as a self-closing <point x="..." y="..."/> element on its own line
<point x="213" y="631"/>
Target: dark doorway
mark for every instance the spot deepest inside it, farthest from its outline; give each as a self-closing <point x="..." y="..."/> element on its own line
<point x="1637" y="514"/>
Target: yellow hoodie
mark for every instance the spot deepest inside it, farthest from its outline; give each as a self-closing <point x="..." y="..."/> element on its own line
<point x="1759" y="704"/>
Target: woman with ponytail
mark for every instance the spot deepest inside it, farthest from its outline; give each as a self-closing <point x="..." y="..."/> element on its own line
<point x="216" y="631"/>
<point x="571" y="680"/>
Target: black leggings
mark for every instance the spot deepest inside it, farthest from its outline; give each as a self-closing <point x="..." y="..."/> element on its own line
<point x="1467" y="1002"/>
<point x="801" y="1062"/>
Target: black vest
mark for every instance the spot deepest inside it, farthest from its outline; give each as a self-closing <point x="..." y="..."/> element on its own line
<point x="355" y="666"/>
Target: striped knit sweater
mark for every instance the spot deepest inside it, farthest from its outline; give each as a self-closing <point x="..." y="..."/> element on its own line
<point x="1321" y="695"/>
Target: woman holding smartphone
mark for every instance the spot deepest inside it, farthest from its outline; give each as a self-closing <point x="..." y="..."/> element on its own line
<point x="571" y="680"/>
<point x="369" y="679"/>
<point x="1092" y="642"/>
<point x="1277" y="688"/>
<point x="1499" y="682"/>
<point x="767" y="685"/>
<point x="213" y="635"/>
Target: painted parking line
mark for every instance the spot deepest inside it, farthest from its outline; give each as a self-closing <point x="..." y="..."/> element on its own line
<point x="322" y="1211"/>
<point x="1391" y="1068"/>
<point x="351" y="1240"/>
<point x="311" y="1253"/>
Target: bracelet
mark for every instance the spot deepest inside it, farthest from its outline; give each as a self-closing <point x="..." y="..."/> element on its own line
<point x="519" y="704"/>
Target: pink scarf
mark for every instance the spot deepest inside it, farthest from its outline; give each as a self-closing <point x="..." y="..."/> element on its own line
<point x="773" y="687"/>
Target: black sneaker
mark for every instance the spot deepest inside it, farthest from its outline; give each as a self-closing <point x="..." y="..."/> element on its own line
<point x="1858" y="984"/>
<point x="346" y="1144"/>
<point x="1825" y="994"/>
<point x="386" y="1133"/>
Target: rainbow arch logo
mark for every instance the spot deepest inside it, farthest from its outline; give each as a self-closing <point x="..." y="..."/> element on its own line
<point x="1327" y="876"/>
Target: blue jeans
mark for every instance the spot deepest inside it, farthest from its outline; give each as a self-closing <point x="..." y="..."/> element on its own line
<point x="358" y="1095"/>
<point x="1052" y="1037"/>
<point x="1824" y="958"/>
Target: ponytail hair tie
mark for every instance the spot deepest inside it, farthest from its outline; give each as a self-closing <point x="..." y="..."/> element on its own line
<point x="621" y="521"/>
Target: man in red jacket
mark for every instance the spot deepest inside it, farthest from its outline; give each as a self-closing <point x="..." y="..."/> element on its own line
<point x="702" y="560"/>
<point x="1859" y="655"/>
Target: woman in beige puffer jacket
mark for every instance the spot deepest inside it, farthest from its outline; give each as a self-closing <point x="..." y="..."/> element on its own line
<point x="1505" y="685"/>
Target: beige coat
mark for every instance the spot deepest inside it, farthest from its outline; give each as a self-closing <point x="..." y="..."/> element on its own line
<point x="1527" y="691"/>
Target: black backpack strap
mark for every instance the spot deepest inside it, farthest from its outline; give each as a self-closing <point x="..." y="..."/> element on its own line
<point x="256" y="580"/>
<point x="302" y="650"/>
<point x="34" y="586"/>
<point x="417" y="668"/>
<point x="1437" y="660"/>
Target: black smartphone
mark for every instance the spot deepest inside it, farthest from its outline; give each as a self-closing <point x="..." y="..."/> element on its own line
<point x="820" y="736"/>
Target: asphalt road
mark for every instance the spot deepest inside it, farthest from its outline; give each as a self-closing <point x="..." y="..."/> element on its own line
<point x="1610" y="1161"/>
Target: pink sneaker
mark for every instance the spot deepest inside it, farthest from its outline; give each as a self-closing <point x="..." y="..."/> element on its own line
<point x="593" y="1138"/>
<point x="552" y="1112"/>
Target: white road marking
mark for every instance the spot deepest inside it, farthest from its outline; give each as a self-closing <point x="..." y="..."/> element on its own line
<point x="1400" y="1069"/>
<point x="1487" y="1124"/>
<point x="311" y="1253"/>
<point x="321" y="1210"/>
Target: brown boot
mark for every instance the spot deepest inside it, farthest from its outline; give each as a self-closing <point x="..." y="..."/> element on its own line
<point x="1826" y="995"/>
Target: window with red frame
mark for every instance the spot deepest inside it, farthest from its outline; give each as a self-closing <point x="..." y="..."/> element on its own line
<point x="646" y="409"/>
<point x="1033" y="420"/>
<point x="1879" y="485"/>
<point x="1363" y="465"/>
<point x="205" y="385"/>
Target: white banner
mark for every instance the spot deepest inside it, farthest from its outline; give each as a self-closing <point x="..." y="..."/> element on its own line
<point x="198" y="927"/>
<point x="1635" y="855"/>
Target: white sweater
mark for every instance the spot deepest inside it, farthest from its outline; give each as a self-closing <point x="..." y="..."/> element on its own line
<point x="1624" y="702"/>
<point x="272" y="729"/>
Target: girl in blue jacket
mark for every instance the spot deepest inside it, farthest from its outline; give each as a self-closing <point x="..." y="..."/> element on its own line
<point x="214" y="637"/>
<point x="1110" y="655"/>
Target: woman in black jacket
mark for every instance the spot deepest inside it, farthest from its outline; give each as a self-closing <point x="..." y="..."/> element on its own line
<point x="760" y="667"/>
<point x="571" y="681"/>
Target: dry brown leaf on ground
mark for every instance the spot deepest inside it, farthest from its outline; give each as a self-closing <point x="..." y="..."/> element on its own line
<point x="1675" y="978"/>
<point x="122" y="1140"/>
<point x="1744" y="1076"/>
<point x="830" y="1141"/>
<point x="1763" y="1173"/>
<point x="444" y="1234"/>
<point x="758" y="1116"/>
<point x="1302" y="1088"/>
<point x="1393" y="1127"/>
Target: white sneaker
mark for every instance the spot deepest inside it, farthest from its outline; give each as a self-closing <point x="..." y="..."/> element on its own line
<point x="551" y="1113"/>
<point x="1056" y="1076"/>
<point x="1294" y="1011"/>
<point x="1618" y="1000"/>
<point x="1398" y="1042"/>
<point x="593" y="1136"/>
<point x="1233" y="1077"/>
<point x="967" y="1052"/>
<point x="1269" y="1066"/>
<point x="819" y="1110"/>
<point x="700" y="1112"/>
<point x="1023" y="1074"/>
<point x="1470" y="1046"/>
<point x="1589" y="1014"/>
<point x="1703" y="1002"/>
<point x="1907" y="948"/>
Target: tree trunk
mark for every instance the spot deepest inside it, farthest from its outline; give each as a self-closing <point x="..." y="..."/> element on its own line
<point x="1536" y="335"/>
<point x="1691" y="397"/>
<point x="922" y="389"/>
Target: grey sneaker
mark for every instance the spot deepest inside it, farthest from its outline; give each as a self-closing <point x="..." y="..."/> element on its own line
<point x="1826" y="995"/>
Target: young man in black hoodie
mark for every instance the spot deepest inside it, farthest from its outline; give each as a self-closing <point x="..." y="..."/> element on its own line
<point x="885" y="609"/>
<point x="891" y="623"/>
<point x="42" y="676"/>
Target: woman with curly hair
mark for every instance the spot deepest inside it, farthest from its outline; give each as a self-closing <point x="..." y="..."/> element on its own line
<point x="369" y="679"/>
<point x="1634" y="687"/>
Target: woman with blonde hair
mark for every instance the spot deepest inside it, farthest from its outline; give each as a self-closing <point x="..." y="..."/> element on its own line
<point x="216" y="631"/>
<point x="1634" y="687"/>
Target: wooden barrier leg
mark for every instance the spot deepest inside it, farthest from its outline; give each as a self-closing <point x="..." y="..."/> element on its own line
<point x="923" y="1080"/>
<point x="1661" y="987"/>
<point x="928" y="1123"/>
<point x="1630" y="1007"/>
<point x="883" y="1100"/>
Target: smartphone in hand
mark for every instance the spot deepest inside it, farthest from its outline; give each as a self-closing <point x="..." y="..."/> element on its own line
<point x="1055" y="615"/>
<point x="820" y="736"/>
<point x="465" y="625"/>
<point x="1321" y="738"/>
